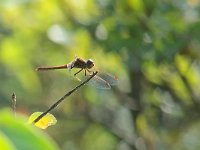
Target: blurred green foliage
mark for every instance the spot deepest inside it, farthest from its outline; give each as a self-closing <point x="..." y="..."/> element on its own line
<point x="16" y="134"/>
<point x="151" y="45"/>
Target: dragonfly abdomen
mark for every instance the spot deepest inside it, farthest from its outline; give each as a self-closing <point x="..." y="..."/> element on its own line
<point x="53" y="67"/>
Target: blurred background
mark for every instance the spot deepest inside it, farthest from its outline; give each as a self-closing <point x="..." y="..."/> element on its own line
<point x="152" y="46"/>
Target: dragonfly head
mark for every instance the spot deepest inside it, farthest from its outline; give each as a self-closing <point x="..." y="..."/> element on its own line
<point x="90" y="63"/>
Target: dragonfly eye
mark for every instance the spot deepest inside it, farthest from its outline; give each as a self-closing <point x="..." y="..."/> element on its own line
<point x="89" y="63"/>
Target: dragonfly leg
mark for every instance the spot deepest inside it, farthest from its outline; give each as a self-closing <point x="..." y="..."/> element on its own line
<point x="78" y="72"/>
<point x="90" y="72"/>
<point x="85" y="71"/>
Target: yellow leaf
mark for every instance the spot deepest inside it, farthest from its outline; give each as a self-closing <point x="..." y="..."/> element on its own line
<point x="44" y="122"/>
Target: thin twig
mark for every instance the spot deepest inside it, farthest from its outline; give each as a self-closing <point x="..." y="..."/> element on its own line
<point x="62" y="98"/>
<point x="14" y="101"/>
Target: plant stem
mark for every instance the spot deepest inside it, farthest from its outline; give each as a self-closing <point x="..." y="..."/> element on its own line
<point x="62" y="98"/>
<point x="14" y="100"/>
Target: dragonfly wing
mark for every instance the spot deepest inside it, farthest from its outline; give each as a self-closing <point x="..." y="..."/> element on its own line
<point x="99" y="83"/>
<point x="112" y="80"/>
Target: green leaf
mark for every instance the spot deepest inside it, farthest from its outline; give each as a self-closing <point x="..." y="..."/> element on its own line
<point x="5" y="143"/>
<point x="22" y="135"/>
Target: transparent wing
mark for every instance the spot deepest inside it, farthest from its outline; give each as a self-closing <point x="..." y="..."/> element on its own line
<point x="98" y="82"/>
<point x="112" y="80"/>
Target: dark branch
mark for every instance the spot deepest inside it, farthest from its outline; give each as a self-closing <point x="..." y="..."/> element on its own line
<point x="62" y="98"/>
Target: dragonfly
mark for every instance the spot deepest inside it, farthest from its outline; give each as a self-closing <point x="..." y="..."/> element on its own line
<point x="102" y="80"/>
